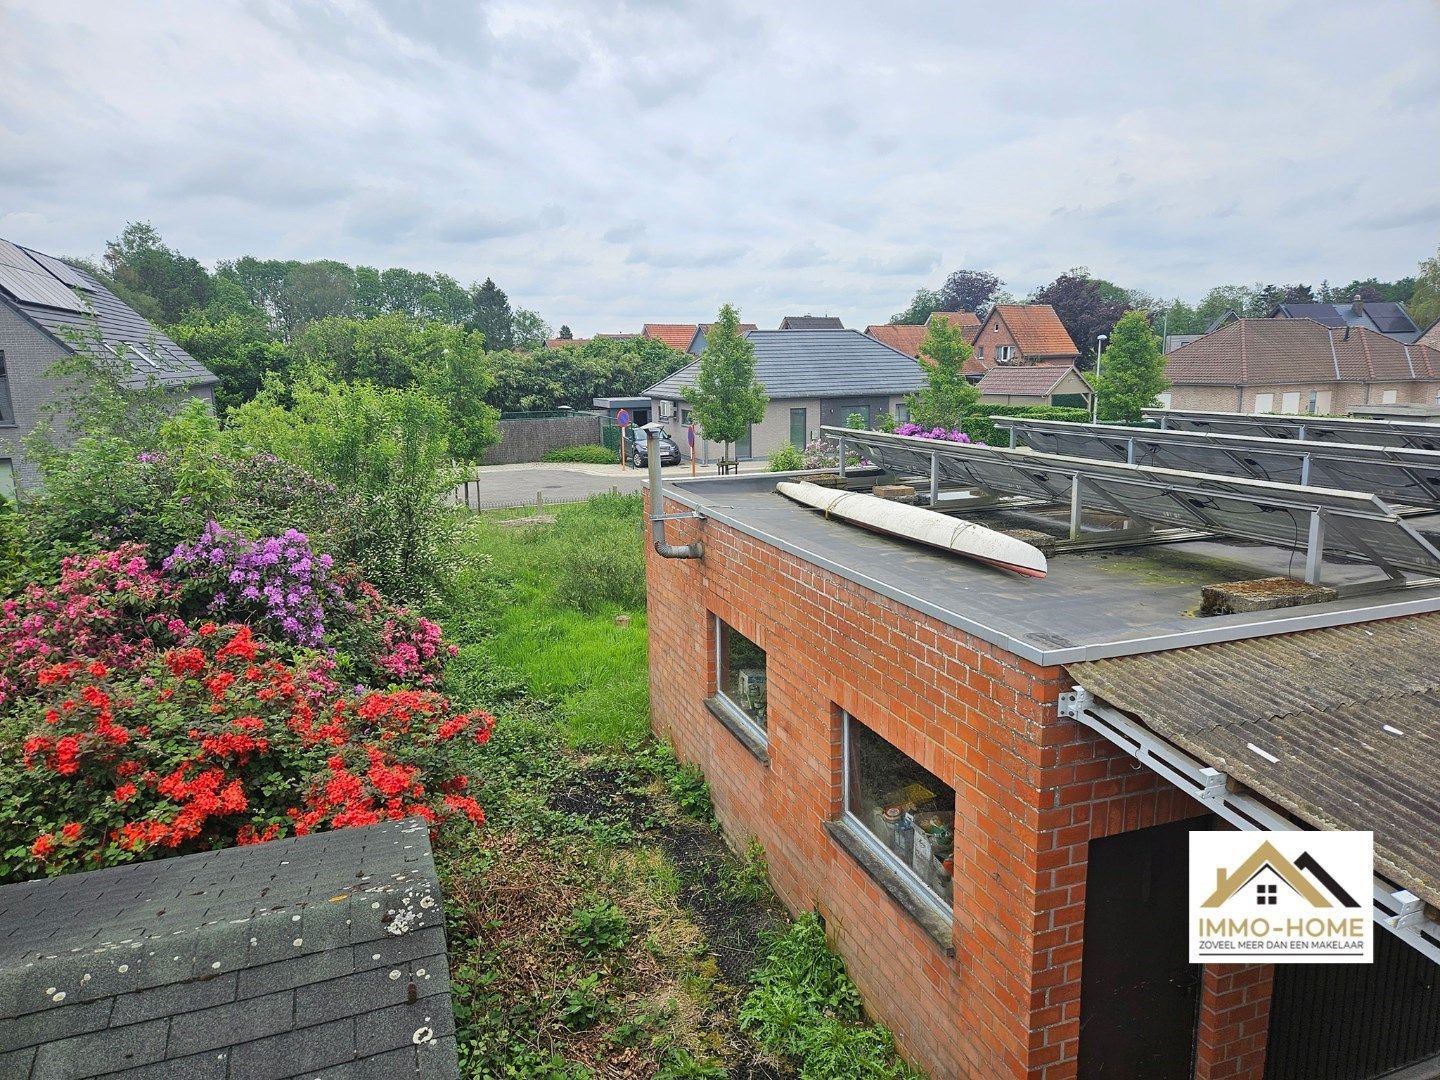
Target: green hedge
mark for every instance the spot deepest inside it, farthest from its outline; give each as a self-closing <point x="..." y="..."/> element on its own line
<point x="976" y="422"/>
<point x="590" y="455"/>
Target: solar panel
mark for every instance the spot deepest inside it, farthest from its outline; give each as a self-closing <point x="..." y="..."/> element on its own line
<point x="25" y="280"/>
<point x="66" y="275"/>
<point x="1389" y="318"/>
<point x="1405" y="433"/>
<point x="1321" y="313"/>
<point x="1355" y="523"/>
<point x="1403" y="475"/>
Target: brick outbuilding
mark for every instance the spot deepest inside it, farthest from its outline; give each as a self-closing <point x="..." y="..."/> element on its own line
<point x="883" y="719"/>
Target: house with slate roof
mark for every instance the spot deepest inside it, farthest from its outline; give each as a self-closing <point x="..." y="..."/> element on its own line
<point x="811" y="322"/>
<point x="320" y="955"/>
<point x="697" y="340"/>
<point x="813" y="377"/>
<point x="50" y="310"/>
<point x="1288" y="365"/>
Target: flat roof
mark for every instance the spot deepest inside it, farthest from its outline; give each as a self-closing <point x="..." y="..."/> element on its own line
<point x="1091" y="605"/>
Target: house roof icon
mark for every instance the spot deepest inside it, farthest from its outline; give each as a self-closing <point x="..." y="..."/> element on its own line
<point x="1265" y="857"/>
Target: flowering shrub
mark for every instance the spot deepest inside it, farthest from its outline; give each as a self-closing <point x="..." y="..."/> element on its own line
<point x="942" y="434"/>
<point x="213" y="742"/>
<point x="110" y="605"/>
<point x="276" y="579"/>
<point x="381" y="644"/>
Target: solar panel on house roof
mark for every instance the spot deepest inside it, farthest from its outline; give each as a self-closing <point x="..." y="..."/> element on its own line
<point x="1396" y="473"/>
<point x="1356" y="523"/>
<point x="1325" y="314"/>
<point x="1389" y="318"/>
<point x="1407" y="433"/>
<point x="29" y="283"/>
<point x="59" y="270"/>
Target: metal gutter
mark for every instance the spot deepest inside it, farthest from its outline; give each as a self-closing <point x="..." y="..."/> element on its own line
<point x="1395" y="908"/>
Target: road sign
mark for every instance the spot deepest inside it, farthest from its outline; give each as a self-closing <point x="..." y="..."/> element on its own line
<point x="623" y="417"/>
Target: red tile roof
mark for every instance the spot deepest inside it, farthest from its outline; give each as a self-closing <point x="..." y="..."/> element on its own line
<point x="902" y="337"/>
<point x="1431" y="337"/>
<point x="676" y="335"/>
<point x="1024" y="380"/>
<point x="1036" y="329"/>
<point x="1264" y="352"/>
<point x="967" y="320"/>
<point x="561" y="342"/>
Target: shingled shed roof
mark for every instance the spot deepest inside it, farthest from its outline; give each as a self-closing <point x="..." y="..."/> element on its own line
<point x="1341" y="727"/>
<point x="273" y="960"/>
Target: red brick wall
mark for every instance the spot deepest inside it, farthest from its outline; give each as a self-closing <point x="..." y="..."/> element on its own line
<point x="1031" y="791"/>
<point x="1234" y="1022"/>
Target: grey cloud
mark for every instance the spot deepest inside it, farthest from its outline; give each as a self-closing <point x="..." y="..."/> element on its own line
<point x="911" y="262"/>
<point x="686" y="258"/>
<point x="806" y="253"/>
<point x="624" y="234"/>
<point x="1425" y="214"/>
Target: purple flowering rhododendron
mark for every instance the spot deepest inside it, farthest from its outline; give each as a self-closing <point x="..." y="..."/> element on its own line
<point x="940" y="434"/>
<point x="279" y="576"/>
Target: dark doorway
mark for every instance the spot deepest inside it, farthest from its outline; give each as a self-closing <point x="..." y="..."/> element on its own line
<point x="1138" y="995"/>
<point x="1354" y="1021"/>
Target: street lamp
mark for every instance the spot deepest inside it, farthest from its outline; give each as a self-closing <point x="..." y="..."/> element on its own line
<point x="1095" y="394"/>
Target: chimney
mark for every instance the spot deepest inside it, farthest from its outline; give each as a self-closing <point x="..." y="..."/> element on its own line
<point x="1357" y="306"/>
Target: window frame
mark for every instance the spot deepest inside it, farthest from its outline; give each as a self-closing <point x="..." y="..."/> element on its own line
<point x="913" y="884"/>
<point x="754" y="735"/>
<point x="804" y="417"/>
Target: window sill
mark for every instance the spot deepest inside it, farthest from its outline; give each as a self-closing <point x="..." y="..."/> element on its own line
<point x="939" y="927"/>
<point x="739" y="725"/>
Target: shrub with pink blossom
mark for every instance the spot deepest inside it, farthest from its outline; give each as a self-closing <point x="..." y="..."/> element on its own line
<point x="380" y="643"/>
<point x="940" y="434"/>
<point x="109" y="606"/>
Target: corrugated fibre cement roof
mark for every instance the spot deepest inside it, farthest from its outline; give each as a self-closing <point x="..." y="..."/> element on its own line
<point x="1350" y="716"/>
<point x="322" y="955"/>
<point x="1091" y="604"/>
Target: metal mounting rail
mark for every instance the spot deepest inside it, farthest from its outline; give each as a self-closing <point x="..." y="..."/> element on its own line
<point x="1398" y="910"/>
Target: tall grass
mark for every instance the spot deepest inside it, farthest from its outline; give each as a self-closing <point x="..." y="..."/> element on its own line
<point x="555" y="590"/>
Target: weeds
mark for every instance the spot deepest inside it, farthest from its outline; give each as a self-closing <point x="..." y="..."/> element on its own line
<point x="599" y="928"/>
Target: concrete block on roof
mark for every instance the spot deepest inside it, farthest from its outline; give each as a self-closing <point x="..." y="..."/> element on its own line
<point x="1261" y="594"/>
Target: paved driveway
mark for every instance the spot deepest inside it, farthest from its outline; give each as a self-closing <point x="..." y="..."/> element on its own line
<point x="497" y="486"/>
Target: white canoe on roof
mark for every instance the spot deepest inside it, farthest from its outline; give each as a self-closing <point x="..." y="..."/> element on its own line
<point x="963" y="538"/>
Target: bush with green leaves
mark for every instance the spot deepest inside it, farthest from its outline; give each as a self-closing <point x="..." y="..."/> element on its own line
<point x="787" y="458"/>
<point x="388" y="452"/>
<point x="804" y="1007"/>
<point x="599" y="928"/>
<point x="590" y="454"/>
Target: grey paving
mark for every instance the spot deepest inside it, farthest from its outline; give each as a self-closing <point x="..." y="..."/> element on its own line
<point x="319" y="953"/>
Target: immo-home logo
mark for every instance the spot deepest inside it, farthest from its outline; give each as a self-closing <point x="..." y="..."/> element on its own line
<point x="1281" y="897"/>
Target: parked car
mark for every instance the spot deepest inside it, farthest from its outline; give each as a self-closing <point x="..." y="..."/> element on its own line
<point x="669" y="450"/>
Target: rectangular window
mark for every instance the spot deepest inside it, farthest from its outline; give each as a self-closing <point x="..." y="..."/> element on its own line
<point x="1264" y="403"/>
<point x="904" y="809"/>
<point x="799" y="428"/>
<point x="1311" y="401"/>
<point x="1005" y="353"/>
<point x="7" y="413"/>
<point x="742" y="448"/>
<point x="1290" y="403"/>
<point x="1322" y="403"/>
<point x="740" y="679"/>
<point x="902" y="412"/>
<point x="1164" y="399"/>
<point x="1388" y="397"/>
<point x="979" y="352"/>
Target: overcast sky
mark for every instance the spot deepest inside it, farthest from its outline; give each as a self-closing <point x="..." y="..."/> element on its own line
<point x="611" y="164"/>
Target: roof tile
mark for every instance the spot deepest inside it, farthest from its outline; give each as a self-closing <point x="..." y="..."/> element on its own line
<point x="676" y="335"/>
<point x="1025" y="380"/>
<point x="1036" y="329"/>
<point x="1281" y="352"/>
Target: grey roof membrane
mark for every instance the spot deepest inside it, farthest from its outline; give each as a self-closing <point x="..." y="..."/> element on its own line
<point x="1090" y="605"/>
<point x="321" y="955"/>
<point x="109" y="323"/>
<point x="815" y="364"/>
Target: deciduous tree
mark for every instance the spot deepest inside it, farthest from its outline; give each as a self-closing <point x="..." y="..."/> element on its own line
<point x="947" y="394"/>
<point x="726" y="397"/>
<point x="969" y="290"/>
<point x="1132" y="371"/>
<point x="1081" y="303"/>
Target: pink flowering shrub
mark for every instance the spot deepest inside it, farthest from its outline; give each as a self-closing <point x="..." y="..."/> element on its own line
<point x="941" y="434"/>
<point x="385" y="644"/>
<point x="109" y="606"/>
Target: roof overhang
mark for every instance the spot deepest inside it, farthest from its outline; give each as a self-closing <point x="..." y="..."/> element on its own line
<point x="1394" y="906"/>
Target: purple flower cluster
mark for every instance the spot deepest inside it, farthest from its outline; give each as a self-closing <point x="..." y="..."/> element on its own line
<point x="279" y="577"/>
<point x="939" y="433"/>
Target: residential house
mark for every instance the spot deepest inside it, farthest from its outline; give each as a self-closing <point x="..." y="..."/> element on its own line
<point x="811" y="322"/>
<point x="1021" y="334"/>
<point x="697" y="342"/>
<point x="1381" y="316"/>
<point x="1431" y="337"/>
<point x="813" y="377"/>
<point x="1035" y="384"/>
<point x="1002" y="861"/>
<point x="676" y="335"/>
<point x="906" y="337"/>
<point x="1288" y="365"/>
<point x="50" y="310"/>
<point x="561" y="342"/>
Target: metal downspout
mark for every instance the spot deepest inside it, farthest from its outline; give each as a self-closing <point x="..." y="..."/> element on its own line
<point x="657" y="504"/>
